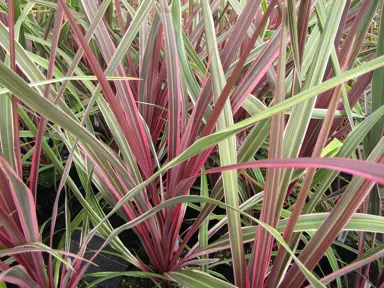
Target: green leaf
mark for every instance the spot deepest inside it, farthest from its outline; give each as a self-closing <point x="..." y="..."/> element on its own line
<point x="203" y="231"/>
<point x="227" y="151"/>
<point x="73" y="78"/>
<point x="299" y="120"/>
<point x="378" y="88"/>
<point x="102" y="276"/>
<point x="197" y="279"/>
<point x="306" y="223"/>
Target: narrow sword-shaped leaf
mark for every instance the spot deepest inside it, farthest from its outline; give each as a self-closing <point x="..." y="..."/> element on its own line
<point x="59" y="15"/>
<point x="130" y="115"/>
<point x="312" y="279"/>
<point x="33" y="100"/>
<point x="360" y="262"/>
<point x="299" y="120"/>
<point x="15" y="113"/>
<point x="203" y="231"/>
<point x="344" y="209"/>
<point x="26" y="213"/>
<point x="378" y="88"/>
<point x="175" y="120"/>
<point x="261" y="252"/>
<point x="306" y="223"/>
<point x="173" y="81"/>
<point x="374" y="200"/>
<point x="197" y="279"/>
<point x="227" y="151"/>
<point x="18" y="276"/>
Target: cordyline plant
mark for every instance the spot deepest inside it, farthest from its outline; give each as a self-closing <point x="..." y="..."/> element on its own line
<point x="248" y="127"/>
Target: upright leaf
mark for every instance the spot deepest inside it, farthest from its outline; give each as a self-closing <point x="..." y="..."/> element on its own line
<point x="227" y="151"/>
<point x="263" y="242"/>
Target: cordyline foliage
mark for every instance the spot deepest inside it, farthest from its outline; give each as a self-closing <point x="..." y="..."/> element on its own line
<point x="261" y="121"/>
